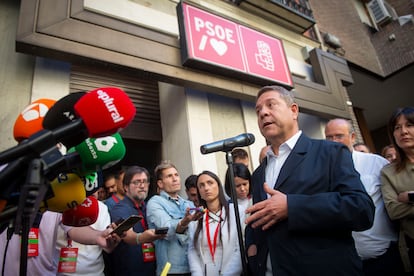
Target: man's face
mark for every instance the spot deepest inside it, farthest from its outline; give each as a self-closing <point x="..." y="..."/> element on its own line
<point x="192" y="195"/>
<point x="101" y="194"/>
<point x="119" y="185"/>
<point x="338" y="131"/>
<point x="391" y="154"/>
<point x="170" y="181"/>
<point x="137" y="189"/>
<point x="110" y="186"/>
<point x="276" y="119"/>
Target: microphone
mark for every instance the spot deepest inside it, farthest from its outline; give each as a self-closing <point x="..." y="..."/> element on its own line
<point x="92" y="182"/>
<point x="91" y="155"/>
<point x="99" y="153"/>
<point x="30" y="119"/>
<point x="66" y="191"/>
<point x="82" y="215"/>
<point x="27" y="123"/>
<point x="63" y="112"/>
<point x="228" y="144"/>
<point x="112" y="110"/>
<point x="87" y="160"/>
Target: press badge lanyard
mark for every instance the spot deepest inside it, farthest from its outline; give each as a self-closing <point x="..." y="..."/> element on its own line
<point x="115" y="198"/>
<point x="213" y="246"/>
<point x="148" y="249"/>
<point x="33" y="238"/>
<point x="143" y="223"/>
<point x="68" y="258"/>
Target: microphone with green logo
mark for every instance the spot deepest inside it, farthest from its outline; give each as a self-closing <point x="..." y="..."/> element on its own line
<point x="97" y="154"/>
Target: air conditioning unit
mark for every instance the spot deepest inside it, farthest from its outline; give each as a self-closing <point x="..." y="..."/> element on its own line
<point x="378" y="11"/>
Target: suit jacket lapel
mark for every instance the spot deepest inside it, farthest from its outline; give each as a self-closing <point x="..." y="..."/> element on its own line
<point x="296" y="156"/>
<point x="261" y="173"/>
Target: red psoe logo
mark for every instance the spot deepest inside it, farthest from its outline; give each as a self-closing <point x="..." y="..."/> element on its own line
<point x="209" y="42"/>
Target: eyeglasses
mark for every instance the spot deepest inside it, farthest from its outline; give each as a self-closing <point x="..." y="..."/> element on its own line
<point x="139" y="182"/>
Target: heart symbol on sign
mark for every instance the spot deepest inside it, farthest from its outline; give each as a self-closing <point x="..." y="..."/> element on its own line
<point x="219" y="46"/>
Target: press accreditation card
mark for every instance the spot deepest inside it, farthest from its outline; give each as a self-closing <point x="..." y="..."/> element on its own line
<point x="33" y="243"/>
<point x="67" y="260"/>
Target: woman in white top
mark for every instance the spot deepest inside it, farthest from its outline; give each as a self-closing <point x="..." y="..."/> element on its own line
<point x="213" y="245"/>
<point x="242" y="185"/>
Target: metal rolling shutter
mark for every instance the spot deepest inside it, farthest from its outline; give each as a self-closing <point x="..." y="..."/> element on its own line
<point x="143" y="93"/>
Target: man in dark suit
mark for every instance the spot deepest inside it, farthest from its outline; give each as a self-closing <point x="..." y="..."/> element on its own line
<point x="308" y="198"/>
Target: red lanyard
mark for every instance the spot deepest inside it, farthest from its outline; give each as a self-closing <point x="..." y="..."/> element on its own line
<point x="143" y="223"/>
<point x="214" y="246"/>
<point x="115" y="198"/>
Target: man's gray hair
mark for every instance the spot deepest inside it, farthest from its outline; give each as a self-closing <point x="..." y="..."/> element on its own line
<point x="285" y="94"/>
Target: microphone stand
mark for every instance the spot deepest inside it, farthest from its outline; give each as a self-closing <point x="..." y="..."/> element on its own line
<point x="47" y="157"/>
<point x="229" y="161"/>
<point x="32" y="193"/>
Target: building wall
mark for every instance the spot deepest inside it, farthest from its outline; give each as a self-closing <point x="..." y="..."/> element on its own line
<point x="23" y="78"/>
<point x="340" y="18"/>
<point x="16" y="73"/>
<point x="175" y="128"/>
<point x="380" y="48"/>
<point x="395" y="43"/>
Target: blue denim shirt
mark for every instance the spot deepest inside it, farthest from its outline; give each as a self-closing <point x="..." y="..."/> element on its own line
<point x="164" y="211"/>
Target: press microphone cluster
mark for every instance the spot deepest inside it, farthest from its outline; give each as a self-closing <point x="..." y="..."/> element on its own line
<point x="87" y="122"/>
<point x="101" y="112"/>
<point x="228" y="144"/>
<point x="85" y="161"/>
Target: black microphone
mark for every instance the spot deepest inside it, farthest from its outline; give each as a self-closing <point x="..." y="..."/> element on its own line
<point x="228" y="144"/>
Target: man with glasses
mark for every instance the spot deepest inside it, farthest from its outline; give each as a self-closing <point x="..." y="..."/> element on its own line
<point x="136" y="253"/>
<point x="169" y="209"/>
<point x="377" y="246"/>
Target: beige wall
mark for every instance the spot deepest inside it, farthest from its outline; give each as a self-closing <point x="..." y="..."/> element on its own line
<point x="16" y="73"/>
<point x="175" y="135"/>
<point x="24" y="78"/>
<point x="201" y="131"/>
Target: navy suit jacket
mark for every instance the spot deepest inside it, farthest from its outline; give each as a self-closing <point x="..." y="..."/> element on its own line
<point x="326" y="202"/>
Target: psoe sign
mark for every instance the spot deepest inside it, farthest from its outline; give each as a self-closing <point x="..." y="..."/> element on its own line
<point x="215" y="44"/>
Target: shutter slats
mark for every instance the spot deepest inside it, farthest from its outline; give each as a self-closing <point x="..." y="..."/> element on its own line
<point x="142" y="92"/>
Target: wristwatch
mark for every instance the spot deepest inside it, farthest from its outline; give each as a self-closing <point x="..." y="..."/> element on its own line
<point x="411" y="197"/>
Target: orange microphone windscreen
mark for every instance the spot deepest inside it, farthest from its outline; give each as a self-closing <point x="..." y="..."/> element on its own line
<point x="30" y="119"/>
